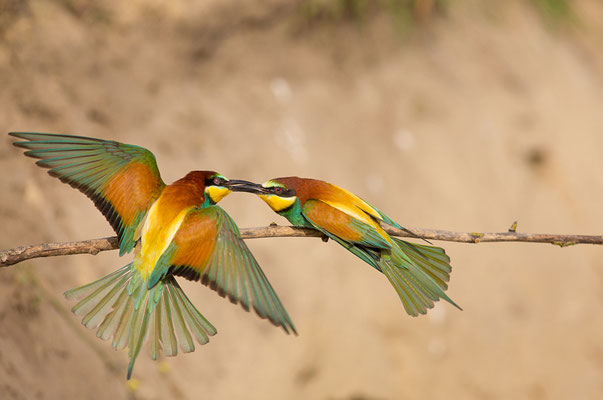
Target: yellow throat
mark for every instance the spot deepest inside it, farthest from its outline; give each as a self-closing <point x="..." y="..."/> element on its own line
<point x="278" y="203"/>
<point x="217" y="193"/>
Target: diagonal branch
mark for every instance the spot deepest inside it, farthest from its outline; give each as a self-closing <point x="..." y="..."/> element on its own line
<point x="94" y="246"/>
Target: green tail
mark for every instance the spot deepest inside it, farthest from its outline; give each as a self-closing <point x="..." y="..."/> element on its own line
<point x="121" y="307"/>
<point x="419" y="273"/>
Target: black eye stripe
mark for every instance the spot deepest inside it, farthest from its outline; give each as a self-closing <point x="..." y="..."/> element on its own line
<point x="282" y="192"/>
<point x="217" y="181"/>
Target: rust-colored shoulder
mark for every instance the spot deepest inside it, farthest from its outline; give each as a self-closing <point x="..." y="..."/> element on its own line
<point x="195" y="241"/>
<point x="332" y="220"/>
<point x="131" y="190"/>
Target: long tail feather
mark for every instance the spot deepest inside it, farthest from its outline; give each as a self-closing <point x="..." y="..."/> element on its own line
<point x="122" y="308"/>
<point x="109" y="325"/>
<point x="420" y="282"/>
<point x="138" y="333"/>
<point x="182" y="332"/>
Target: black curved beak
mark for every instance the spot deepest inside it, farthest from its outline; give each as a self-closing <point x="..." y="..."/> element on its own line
<point x="237" y="185"/>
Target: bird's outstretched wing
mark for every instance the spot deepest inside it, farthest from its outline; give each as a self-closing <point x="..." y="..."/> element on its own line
<point x="121" y="179"/>
<point x="208" y="247"/>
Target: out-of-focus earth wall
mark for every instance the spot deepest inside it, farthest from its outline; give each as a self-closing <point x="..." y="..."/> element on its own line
<point x="474" y="117"/>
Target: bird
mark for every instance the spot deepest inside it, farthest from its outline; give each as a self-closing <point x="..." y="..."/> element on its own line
<point x="419" y="273"/>
<point x="173" y="230"/>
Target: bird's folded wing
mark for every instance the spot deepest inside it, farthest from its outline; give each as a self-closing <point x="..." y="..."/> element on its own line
<point x="208" y="247"/>
<point x="353" y="205"/>
<point x="349" y="203"/>
<point x="345" y="225"/>
<point x="121" y="179"/>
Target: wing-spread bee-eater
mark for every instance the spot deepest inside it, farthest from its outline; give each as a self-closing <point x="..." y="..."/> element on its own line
<point x="173" y="229"/>
<point x="419" y="273"/>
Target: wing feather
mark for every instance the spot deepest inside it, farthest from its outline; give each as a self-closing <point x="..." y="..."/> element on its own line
<point x="209" y="248"/>
<point x="121" y="179"/>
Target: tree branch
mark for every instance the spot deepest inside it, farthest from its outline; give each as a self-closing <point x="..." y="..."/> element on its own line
<point x="94" y="246"/>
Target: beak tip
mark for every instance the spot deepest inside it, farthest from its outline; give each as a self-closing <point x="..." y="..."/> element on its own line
<point x="237" y="185"/>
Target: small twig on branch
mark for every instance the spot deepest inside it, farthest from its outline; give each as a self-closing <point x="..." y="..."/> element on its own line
<point x="94" y="246"/>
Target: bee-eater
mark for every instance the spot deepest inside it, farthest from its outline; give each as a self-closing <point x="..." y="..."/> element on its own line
<point x="173" y="229"/>
<point x="418" y="273"/>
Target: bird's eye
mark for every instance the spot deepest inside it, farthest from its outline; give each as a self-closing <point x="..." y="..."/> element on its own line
<point x="218" y="181"/>
<point x="278" y="190"/>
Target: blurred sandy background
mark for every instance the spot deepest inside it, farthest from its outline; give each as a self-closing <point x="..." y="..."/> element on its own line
<point x="463" y="115"/>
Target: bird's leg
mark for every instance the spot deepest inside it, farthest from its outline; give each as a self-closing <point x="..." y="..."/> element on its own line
<point x="324" y="238"/>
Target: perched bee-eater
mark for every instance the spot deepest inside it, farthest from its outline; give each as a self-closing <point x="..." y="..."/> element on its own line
<point x="419" y="273"/>
<point x="173" y="229"/>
